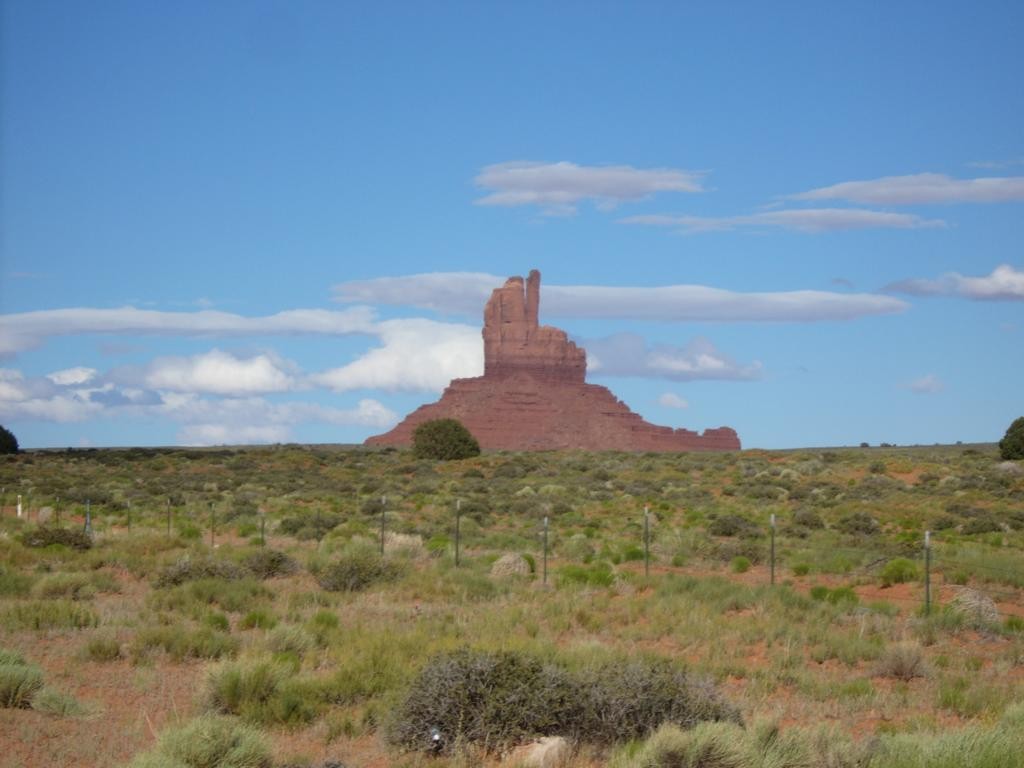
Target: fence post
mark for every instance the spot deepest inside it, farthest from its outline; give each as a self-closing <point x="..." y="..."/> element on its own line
<point x="927" y="573"/>
<point x="773" y="550"/>
<point x="129" y="514"/>
<point x="213" y="524"/>
<point x="19" y="505"/>
<point x="458" y="529"/>
<point x="88" y="518"/>
<point x="56" y="510"/>
<point x="263" y="528"/>
<point x="168" y="517"/>
<point x="545" y="550"/>
<point x="647" y="540"/>
<point x="383" y="507"/>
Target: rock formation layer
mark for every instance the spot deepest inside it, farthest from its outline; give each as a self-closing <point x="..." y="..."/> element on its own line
<point x="533" y="395"/>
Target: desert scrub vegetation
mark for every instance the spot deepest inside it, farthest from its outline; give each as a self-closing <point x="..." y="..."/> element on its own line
<point x="148" y="608"/>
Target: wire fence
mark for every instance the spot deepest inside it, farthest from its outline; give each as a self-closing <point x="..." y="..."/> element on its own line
<point x="934" y="558"/>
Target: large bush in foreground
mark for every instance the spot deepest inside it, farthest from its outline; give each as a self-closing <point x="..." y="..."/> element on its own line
<point x="495" y="700"/>
<point x="1011" y="447"/>
<point x="444" y="439"/>
<point x="8" y="442"/>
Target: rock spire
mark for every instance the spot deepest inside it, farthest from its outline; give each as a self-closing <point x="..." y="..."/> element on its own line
<point x="534" y="396"/>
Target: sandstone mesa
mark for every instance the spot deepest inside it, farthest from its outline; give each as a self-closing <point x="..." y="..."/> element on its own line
<point x="533" y="395"/>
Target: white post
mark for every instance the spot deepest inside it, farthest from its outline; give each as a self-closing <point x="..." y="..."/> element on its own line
<point x="19" y="505"/>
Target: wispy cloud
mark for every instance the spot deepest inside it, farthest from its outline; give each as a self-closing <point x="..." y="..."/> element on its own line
<point x="921" y="188"/>
<point x="1005" y="283"/>
<point x="627" y="354"/>
<point x="997" y="164"/>
<point x="559" y="187"/>
<point x="28" y="329"/>
<point x="797" y="220"/>
<point x="672" y="400"/>
<point x="466" y="293"/>
<point x="926" y="385"/>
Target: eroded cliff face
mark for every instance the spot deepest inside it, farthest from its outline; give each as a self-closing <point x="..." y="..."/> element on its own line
<point x="514" y="340"/>
<point x="533" y="394"/>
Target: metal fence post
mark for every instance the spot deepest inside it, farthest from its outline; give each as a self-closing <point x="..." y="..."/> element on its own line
<point x="927" y="573"/>
<point x="647" y="541"/>
<point x="545" y="550"/>
<point x="773" y="550"/>
<point x="458" y="529"/>
<point x="383" y="507"/>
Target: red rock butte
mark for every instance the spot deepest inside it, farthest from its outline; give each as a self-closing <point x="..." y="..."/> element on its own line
<point x="533" y="395"/>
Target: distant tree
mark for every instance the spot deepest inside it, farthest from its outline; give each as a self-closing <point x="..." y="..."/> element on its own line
<point x="1012" y="444"/>
<point x="8" y="442"/>
<point x="444" y="439"/>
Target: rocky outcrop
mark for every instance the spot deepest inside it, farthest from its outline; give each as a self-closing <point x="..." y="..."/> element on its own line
<point x="533" y="394"/>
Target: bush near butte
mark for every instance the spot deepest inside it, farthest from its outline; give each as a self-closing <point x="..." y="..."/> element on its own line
<point x="533" y="395"/>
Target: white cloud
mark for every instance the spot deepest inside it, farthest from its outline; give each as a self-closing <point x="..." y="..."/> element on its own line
<point x="798" y="220"/>
<point x="1004" y="284"/>
<point x="79" y="375"/>
<point x="417" y="355"/>
<point x="672" y="400"/>
<point x="921" y="188"/>
<point x="41" y="398"/>
<point x="467" y="292"/>
<point x="221" y="373"/>
<point x="25" y="330"/>
<point x="558" y="187"/>
<point x="627" y="354"/>
<point x="926" y="385"/>
<point x="224" y="434"/>
<point x="257" y="420"/>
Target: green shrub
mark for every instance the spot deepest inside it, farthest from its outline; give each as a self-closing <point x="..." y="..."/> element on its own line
<point x="709" y="745"/>
<point x="903" y="661"/>
<point x="258" y="619"/>
<point x="46" y="536"/>
<point x="102" y="648"/>
<point x="899" y="571"/>
<point x="1011" y="447"/>
<point x="195" y="597"/>
<point x="74" y="586"/>
<point x="807" y="518"/>
<point x="859" y="523"/>
<point x="841" y="596"/>
<point x="260" y="692"/>
<point x="596" y="575"/>
<point x="8" y="442"/>
<point x="801" y="569"/>
<point x="498" y="699"/>
<point x="270" y="563"/>
<point x="208" y="742"/>
<point x="19" y="681"/>
<point x="48" y="614"/>
<point x="443" y="439"/>
<point x="181" y="643"/>
<point x="740" y="564"/>
<point x="15" y="584"/>
<point x="195" y="568"/>
<point x="290" y="639"/>
<point x="358" y="569"/>
<point x="732" y="525"/>
<point x="56" y="702"/>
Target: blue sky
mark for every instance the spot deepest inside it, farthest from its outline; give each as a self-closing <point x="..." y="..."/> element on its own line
<point x="242" y="222"/>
